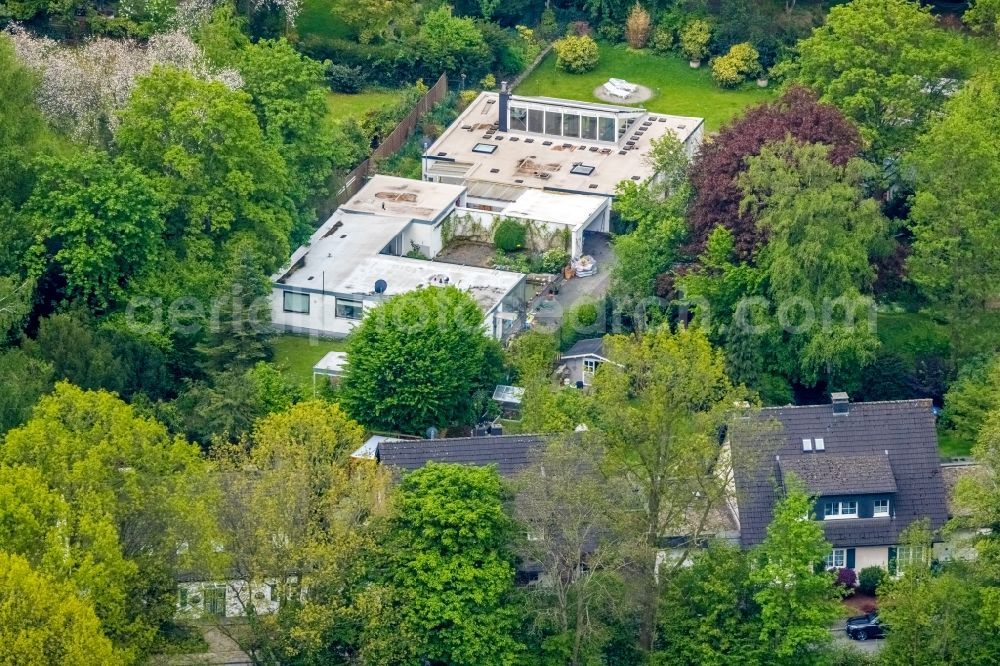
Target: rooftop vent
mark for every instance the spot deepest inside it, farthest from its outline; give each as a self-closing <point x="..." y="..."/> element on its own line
<point x="529" y="140"/>
<point x="841" y="402"/>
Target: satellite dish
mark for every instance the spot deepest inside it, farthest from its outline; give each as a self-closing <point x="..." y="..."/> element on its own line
<point x="380" y="286"/>
<point x="432" y="433"/>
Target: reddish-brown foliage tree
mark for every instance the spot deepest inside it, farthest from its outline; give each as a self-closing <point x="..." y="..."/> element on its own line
<point x="714" y="171"/>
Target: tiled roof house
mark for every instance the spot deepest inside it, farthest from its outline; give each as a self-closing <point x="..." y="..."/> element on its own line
<point x="510" y="453"/>
<point x="873" y="467"/>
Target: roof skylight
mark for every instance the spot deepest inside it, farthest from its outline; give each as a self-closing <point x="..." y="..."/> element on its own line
<point x="582" y="169"/>
<point x="487" y="148"/>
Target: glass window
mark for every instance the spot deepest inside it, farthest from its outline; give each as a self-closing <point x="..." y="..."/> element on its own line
<point x="588" y="127"/>
<point x="881" y="507"/>
<point x="571" y="125"/>
<point x="907" y="555"/>
<point x="487" y="148"/>
<point x="350" y="309"/>
<point x="535" y="121"/>
<point x="849" y="508"/>
<point x="837" y="558"/>
<point x="606" y="129"/>
<point x="518" y="119"/>
<point x="296" y="302"/>
<point x="553" y="123"/>
<point x="582" y="169"/>
<point x="182" y="597"/>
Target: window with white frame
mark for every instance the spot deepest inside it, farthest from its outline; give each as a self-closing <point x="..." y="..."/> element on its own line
<point x="590" y="367"/>
<point x="837" y="559"/>
<point x="908" y="555"/>
<point x="348" y="308"/>
<point x="296" y="302"/>
<point x="842" y="509"/>
<point x="881" y="508"/>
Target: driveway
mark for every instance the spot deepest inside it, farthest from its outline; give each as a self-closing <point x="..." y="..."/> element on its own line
<point x="548" y="313"/>
<point x="840" y="639"/>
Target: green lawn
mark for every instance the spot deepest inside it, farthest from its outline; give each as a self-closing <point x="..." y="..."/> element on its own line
<point x="297" y="354"/>
<point x="319" y="18"/>
<point x="951" y="445"/>
<point x="677" y="89"/>
<point x="343" y="106"/>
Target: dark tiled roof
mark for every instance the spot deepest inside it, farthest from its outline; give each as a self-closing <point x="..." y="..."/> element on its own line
<point x="903" y="428"/>
<point x="510" y="453"/>
<point x="828" y="474"/>
<point x="587" y="347"/>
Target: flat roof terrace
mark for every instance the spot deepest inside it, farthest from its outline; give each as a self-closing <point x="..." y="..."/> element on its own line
<point x="402" y="274"/>
<point x="473" y="148"/>
<point x="404" y="197"/>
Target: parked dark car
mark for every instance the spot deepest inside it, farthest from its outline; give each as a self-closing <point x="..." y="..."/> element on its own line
<point x="863" y="627"/>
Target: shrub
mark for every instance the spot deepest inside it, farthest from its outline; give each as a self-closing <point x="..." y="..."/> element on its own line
<point x="344" y="78"/>
<point x="637" y="27"/>
<point x="611" y="32"/>
<point x="847" y="579"/>
<point x="735" y="67"/>
<point x="509" y="236"/>
<point x="578" y="29"/>
<point x="547" y="27"/>
<point x="694" y="39"/>
<point x="576" y="54"/>
<point x="554" y="260"/>
<point x="663" y="40"/>
<point x="466" y="97"/>
<point x="870" y="578"/>
<point x="488" y="82"/>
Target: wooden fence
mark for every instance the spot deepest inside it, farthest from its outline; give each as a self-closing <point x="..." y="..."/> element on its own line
<point x="355" y="179"/>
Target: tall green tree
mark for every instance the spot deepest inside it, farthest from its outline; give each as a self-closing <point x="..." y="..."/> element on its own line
<point x="418" y="360"/>
<point x="238" y="330"/>
<point x="446" y="579"/>
<point x="45" y="622"/>
<point x="797" y="604"/>
<point x="658" y="408"/>
<point x="955" y="215"/>
<point x="298" y="515"/>
<point x="96" y="222"/>
<point x="449" y="43"/>
<point x="289" y="99"/>
<point x="880" y="62"/>
<point x="708" y="614"/>
<point x="22" y="129"/>
<point x="984" y="16"/>
<point x="105" y="460"/>
<point x="577" y="521"/>
<point x="221" y="180"/>
<point x="823" y="231"/>
<point x="27" y="378"/>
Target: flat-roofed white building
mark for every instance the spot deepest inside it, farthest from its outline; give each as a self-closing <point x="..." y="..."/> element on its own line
<point x="352" y="263"/>
<point x="504" y="144"/>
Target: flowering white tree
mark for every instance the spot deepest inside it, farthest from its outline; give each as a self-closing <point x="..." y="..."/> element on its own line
<point x="83" y="88"/>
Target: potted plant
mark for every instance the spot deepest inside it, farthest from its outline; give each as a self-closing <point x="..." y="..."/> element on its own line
<point x="694" y="41"/>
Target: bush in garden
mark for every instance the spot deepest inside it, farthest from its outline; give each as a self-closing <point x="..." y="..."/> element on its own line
<point x="637" y="27"/>
<point x="509" y="236"/>
<point x="611" y="32"/>
<point x="741" y="63"/>
<point x="694" y="39"/>
<point x="488" y="82"/>
<point x="343" y="78"/>
<point x="578" y="29"/>
<point x="576" y="54"/>
<point x="870" y="578"/>
<point x="548" y="27"/>
<point x="663" y="40"/>
<point x="847" y="579"/>
<point x="554" y="260"/>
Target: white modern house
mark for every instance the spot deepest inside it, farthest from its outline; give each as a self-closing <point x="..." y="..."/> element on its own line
<point x="355" y="260"/>
<point x="503" y="145"/>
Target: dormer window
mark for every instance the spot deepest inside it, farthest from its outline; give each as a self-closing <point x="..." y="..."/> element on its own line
<point x="881" y="508"/>
<point x="841" y="509"/>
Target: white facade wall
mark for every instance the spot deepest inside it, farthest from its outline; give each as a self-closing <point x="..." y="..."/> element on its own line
<point x="425" y="235"/>
<point x="321" y="319"/>
<point x="193" y="597"/>
<point x="871" y="556"/>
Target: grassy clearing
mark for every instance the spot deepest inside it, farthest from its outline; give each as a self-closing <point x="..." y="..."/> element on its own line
<point x="912" y="334"/>
<point x="952" y="445"/>
<point x="344" y="106"/>
<point x="297" y="354"/>
<point x="677" y="89"/>
<point x="318" y="17"/>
